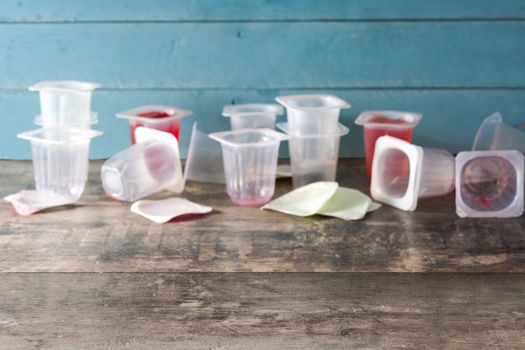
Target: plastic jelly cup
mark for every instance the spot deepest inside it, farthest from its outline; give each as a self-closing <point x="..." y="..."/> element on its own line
<point x="493" y="134"/>
<point x="380" y="123"/>
<point x="204" y="161"/>
<point x="313" y="114"/>
<point x="151" y="165"/>
<point x="402" y="173"/>
<point x="250" y="163"/>
<point x="313" y="157"/>
<point x="40" y="122"/>
<point x="65" y="103"/>
<point x="489" y="184"/>
<point x="60" y="159"/>
<point x="254" y="115"/>
<point x="163" y="118"/>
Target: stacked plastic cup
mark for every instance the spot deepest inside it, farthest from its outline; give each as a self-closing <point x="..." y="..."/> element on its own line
<point x="314" y="130"/>
<point x="60" y="149"/>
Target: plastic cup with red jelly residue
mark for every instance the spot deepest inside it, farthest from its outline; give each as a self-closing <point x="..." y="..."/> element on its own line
<point x="163" y="118"/>
<point x="380" y="123"/>
<point x="489" y="184"/>
<point x="151" y="165"/>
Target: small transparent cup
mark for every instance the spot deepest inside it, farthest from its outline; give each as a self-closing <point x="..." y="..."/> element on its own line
<point x="253" y="115"/>
<point x="151" y="165"/>
<point x="380" y="123"/>
<point x="65" y="103"/>
<point x="489" y="184"/>
<point x="493" y="134"/>
<point x="313" y="114"/>
<point x="313" y="157"/>
<point x="163" y="118"/>
<point x="250" y="163"/>
<point x="60" y="159"/>
<point x="402" y="173"/>
<point x="204" y="161"/>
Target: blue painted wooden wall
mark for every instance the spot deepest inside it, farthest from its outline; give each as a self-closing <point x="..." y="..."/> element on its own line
<point x="456" y="61"/>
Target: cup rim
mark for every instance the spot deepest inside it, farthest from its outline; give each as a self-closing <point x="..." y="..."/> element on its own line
<point x="274" y="137"/>
<point x="289" y="101"/>
<point x="341" y="131"/>
<point x="37" y="135"/>
<point x="64" y="85"/>
<point x="408" y="201"/>
<point x="412" y="119"/>
<point x="174" y="114"/>
<point x="249" y="109"/>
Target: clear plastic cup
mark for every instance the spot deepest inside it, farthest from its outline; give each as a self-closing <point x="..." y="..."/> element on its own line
<point x="254" y="115"/>
<point x="250" y="162"/>
<point x="204" y="161"/>
<point x="149" y="166"/>
<point x="493" y="134"/>
<point x="380" y="123"/>
<point x="313" y="114"/>
<point x="489" y="184"/>
<point x="65" y="103"/>
<point x="60" y="159"/>
<point x="163" y="118"/>
<point x="402" y="173"/>
<point x="313" y="157"/>
<point x="40" y="122"/>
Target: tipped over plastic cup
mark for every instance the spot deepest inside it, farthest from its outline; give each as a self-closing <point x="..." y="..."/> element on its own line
<point x="250" y="163"/>
<point x="253" y="115"/>
<point x="151" y="165"/>
<point x="65" y="103"/>
<point x="204" y="161"/>
<point x="380" y="123"/>
<point x="313" y="114"/>
<point x="60" y="159"/>
<point x="489" y="184"/>
<point x="162" y="118"/>
<point x="493" y="134"/>
<point x="313" y="157"/>
<point x="402" y="173"/>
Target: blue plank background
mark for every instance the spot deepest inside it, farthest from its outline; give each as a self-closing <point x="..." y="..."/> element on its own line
<point x="454" y="61"/>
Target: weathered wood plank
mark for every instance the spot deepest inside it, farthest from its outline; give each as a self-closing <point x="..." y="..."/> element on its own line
<point x="266" y="55"/>
<point x="262" y="311"/>
<point x="234" y="10"/>
<point x="101" y="235"/>
<point x="462" y="109"/>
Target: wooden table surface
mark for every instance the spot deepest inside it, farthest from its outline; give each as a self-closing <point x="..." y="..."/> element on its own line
<point x="95" y="276"/>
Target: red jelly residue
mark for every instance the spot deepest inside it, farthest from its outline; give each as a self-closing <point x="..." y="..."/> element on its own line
<point x="154" y="114"/>
<point x="172" y="126"/>
<point x="373" y="133"/>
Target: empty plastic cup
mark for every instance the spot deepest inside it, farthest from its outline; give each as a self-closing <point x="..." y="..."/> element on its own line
<point x="204" y="161"/>
<point x="254" y="115"/>
<point x="493" y="134"/>
<point x="402" y="173"/>
<point x="250" y="162"/>
<point x="313" y="114"/>
<point x="313" y="157"/>
<point x="65" y="103"/>
<point x="163" y="118"/>
<point x="149" y="166"/>
<point x="381" y="123"/>
<point x="489" y="184"/>
<point x="39" y="121"/>
<point x="60" y="159"/>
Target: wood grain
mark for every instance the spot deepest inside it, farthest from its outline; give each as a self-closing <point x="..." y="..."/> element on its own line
<point x="101" y="235"/>
<point x="262" y="311"/>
